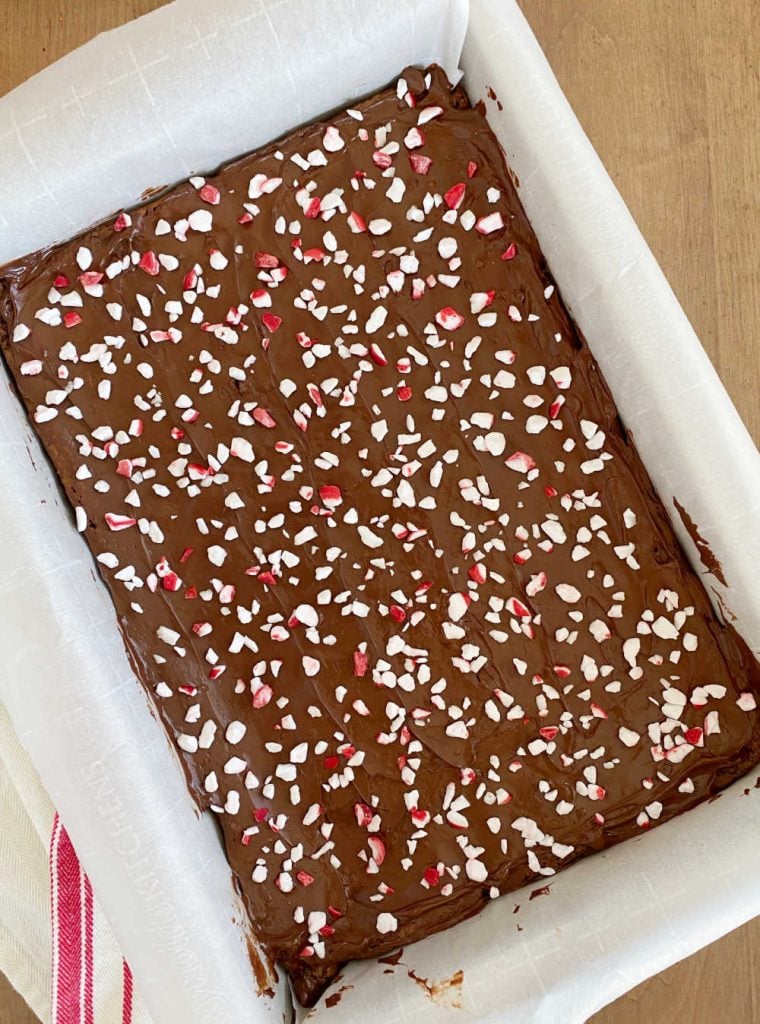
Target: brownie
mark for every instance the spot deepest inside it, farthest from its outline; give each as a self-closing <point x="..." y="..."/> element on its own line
<point x="378" y="544"/>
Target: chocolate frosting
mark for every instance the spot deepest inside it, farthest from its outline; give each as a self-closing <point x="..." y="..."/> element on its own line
<point x="378" y="544"/>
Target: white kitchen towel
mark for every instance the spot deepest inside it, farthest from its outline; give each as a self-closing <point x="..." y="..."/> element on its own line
<point x="56" y="947"/>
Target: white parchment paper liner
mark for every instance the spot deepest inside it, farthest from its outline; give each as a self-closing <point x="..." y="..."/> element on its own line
<point x="180" y="91"/>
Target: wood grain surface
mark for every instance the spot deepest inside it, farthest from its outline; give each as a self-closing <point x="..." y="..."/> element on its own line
<point x="668" y="91"/>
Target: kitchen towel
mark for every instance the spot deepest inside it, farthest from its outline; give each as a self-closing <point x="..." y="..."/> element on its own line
<point x="56" y="947"/>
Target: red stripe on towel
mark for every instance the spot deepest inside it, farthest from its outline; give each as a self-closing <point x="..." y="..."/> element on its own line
<point x="68" y="932"/>
<point x="126" y="1009"/>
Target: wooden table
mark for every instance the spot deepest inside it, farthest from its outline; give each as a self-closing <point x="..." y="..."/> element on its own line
<point x="667" y="91"/>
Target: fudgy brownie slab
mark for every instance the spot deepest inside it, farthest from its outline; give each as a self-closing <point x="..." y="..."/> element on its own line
<point x="378" y="544"/>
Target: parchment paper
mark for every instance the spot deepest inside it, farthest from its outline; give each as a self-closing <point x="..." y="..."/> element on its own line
<point x="180" y="91"/>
